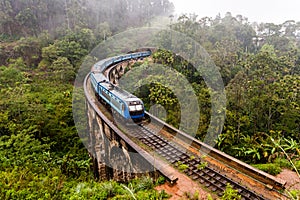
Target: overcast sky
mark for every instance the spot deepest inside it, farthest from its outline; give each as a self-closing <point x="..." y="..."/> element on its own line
<point x="276" y="11"/>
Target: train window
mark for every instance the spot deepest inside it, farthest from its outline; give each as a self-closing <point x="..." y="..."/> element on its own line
<point x="105" y="94"/>
<point x="115" y="102"/>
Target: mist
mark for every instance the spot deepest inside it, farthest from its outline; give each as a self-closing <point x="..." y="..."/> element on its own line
<point x="24" y="18"/>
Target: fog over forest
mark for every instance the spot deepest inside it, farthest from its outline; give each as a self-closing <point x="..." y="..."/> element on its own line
<point x="33" y="17"/>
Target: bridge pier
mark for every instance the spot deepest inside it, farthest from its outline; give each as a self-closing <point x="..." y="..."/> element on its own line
<point x="112" y="156"/>
<point x="117" y="73"/>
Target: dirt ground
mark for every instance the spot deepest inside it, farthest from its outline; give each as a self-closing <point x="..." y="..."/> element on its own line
<point x="291" y="178"/>
<point x="184" y="187"/>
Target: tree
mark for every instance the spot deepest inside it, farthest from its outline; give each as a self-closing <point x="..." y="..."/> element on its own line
<point x="63" y="69"/>
<point x="9" y="76"/>
<point x="30" y="50"/>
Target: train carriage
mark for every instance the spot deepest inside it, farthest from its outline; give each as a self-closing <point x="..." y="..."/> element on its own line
<point x="125" y="104"/>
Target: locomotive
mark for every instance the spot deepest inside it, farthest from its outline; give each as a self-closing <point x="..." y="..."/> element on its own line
<point x="122" y="102"/>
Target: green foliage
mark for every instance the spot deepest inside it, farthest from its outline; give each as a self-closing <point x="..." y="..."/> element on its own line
<point x="17" y="64"/>
<point x="29" y="49"/>
<point x="63" y="69"/>
<point x="41" y="155"/>
<point x="209" y="197"/>
<point x="268" y="49"/>
<point x="282" y="163"/>
<point x="102" y="31"/>
<point x="31" y="169"/>
<point x="270" y="168"/>
<point x="164" y="57"/>
<point x="297" y="165"/>
<point x="110" y="188"/>
<point x="24" y="18"/>
<point x="28" y="169"/>
<point x="137" y="189"/>
<point x="85" y="37"/>
<point x="260" y="81"/>
<point x="64" y="48"/>
<point x="40" y="151"/>
<point x="22" y="183"/>
<point x="152" y="195"/>
<point x="9" y="76"/>
<point x="194" y="196"/>
<point x="294" y="194"/>
<point x="202" y="165"/>
<point x="230" y="193"/>
<point x="159" y="94"/>
<point x="260" y="100"/>
<point x="145" y="183"/>
<point x="92" y="190"/>
<point x="181" y="166"/>
<point x="161" y="180"/>
<point x="50" y="53"/>
<point x="25" y="146"/>
<point x="288" y="156"/>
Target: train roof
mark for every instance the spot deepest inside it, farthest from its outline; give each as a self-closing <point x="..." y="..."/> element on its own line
<point x="102" y="64"/>
<point x="99" y="66"/>
<point x="122" y="94"/>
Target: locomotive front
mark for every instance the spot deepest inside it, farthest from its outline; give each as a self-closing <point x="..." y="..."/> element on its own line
<point x="136" y="109"/>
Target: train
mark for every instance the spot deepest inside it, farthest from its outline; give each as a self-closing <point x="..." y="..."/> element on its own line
<point x="124" y="104"/>
<point x="104" y="64"/>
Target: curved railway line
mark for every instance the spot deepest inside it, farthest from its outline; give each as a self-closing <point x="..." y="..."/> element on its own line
<point x="213" y="171"/>
<point x="174" y="154"/>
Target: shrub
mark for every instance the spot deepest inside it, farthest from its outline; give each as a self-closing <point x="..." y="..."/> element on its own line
<point x="270" y="168"/>
<point x="295" y="194"/>
<point x="297" y="165"/>
<point x="282" y="162"/>
<point x="110" y="188"/>
<point x="161" y="180"/>
<point x="145" y="183"/>
<point x="231" y="194"/>
<point x="202" y="165"/>
<point x="183" y="167"/>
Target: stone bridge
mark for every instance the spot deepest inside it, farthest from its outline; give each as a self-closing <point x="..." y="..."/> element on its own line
<point x="114" y="155"/>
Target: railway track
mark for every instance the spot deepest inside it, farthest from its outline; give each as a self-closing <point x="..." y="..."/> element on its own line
<point x="194" y="165"/>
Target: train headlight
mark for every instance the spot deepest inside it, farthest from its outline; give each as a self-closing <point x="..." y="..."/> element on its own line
<point x="139" y="107"/>
<point x="132" y="108"/>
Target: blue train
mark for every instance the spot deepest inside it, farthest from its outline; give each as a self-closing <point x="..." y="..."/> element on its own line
<point x="122" y="103"/>
<point x="104" y="64"/>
